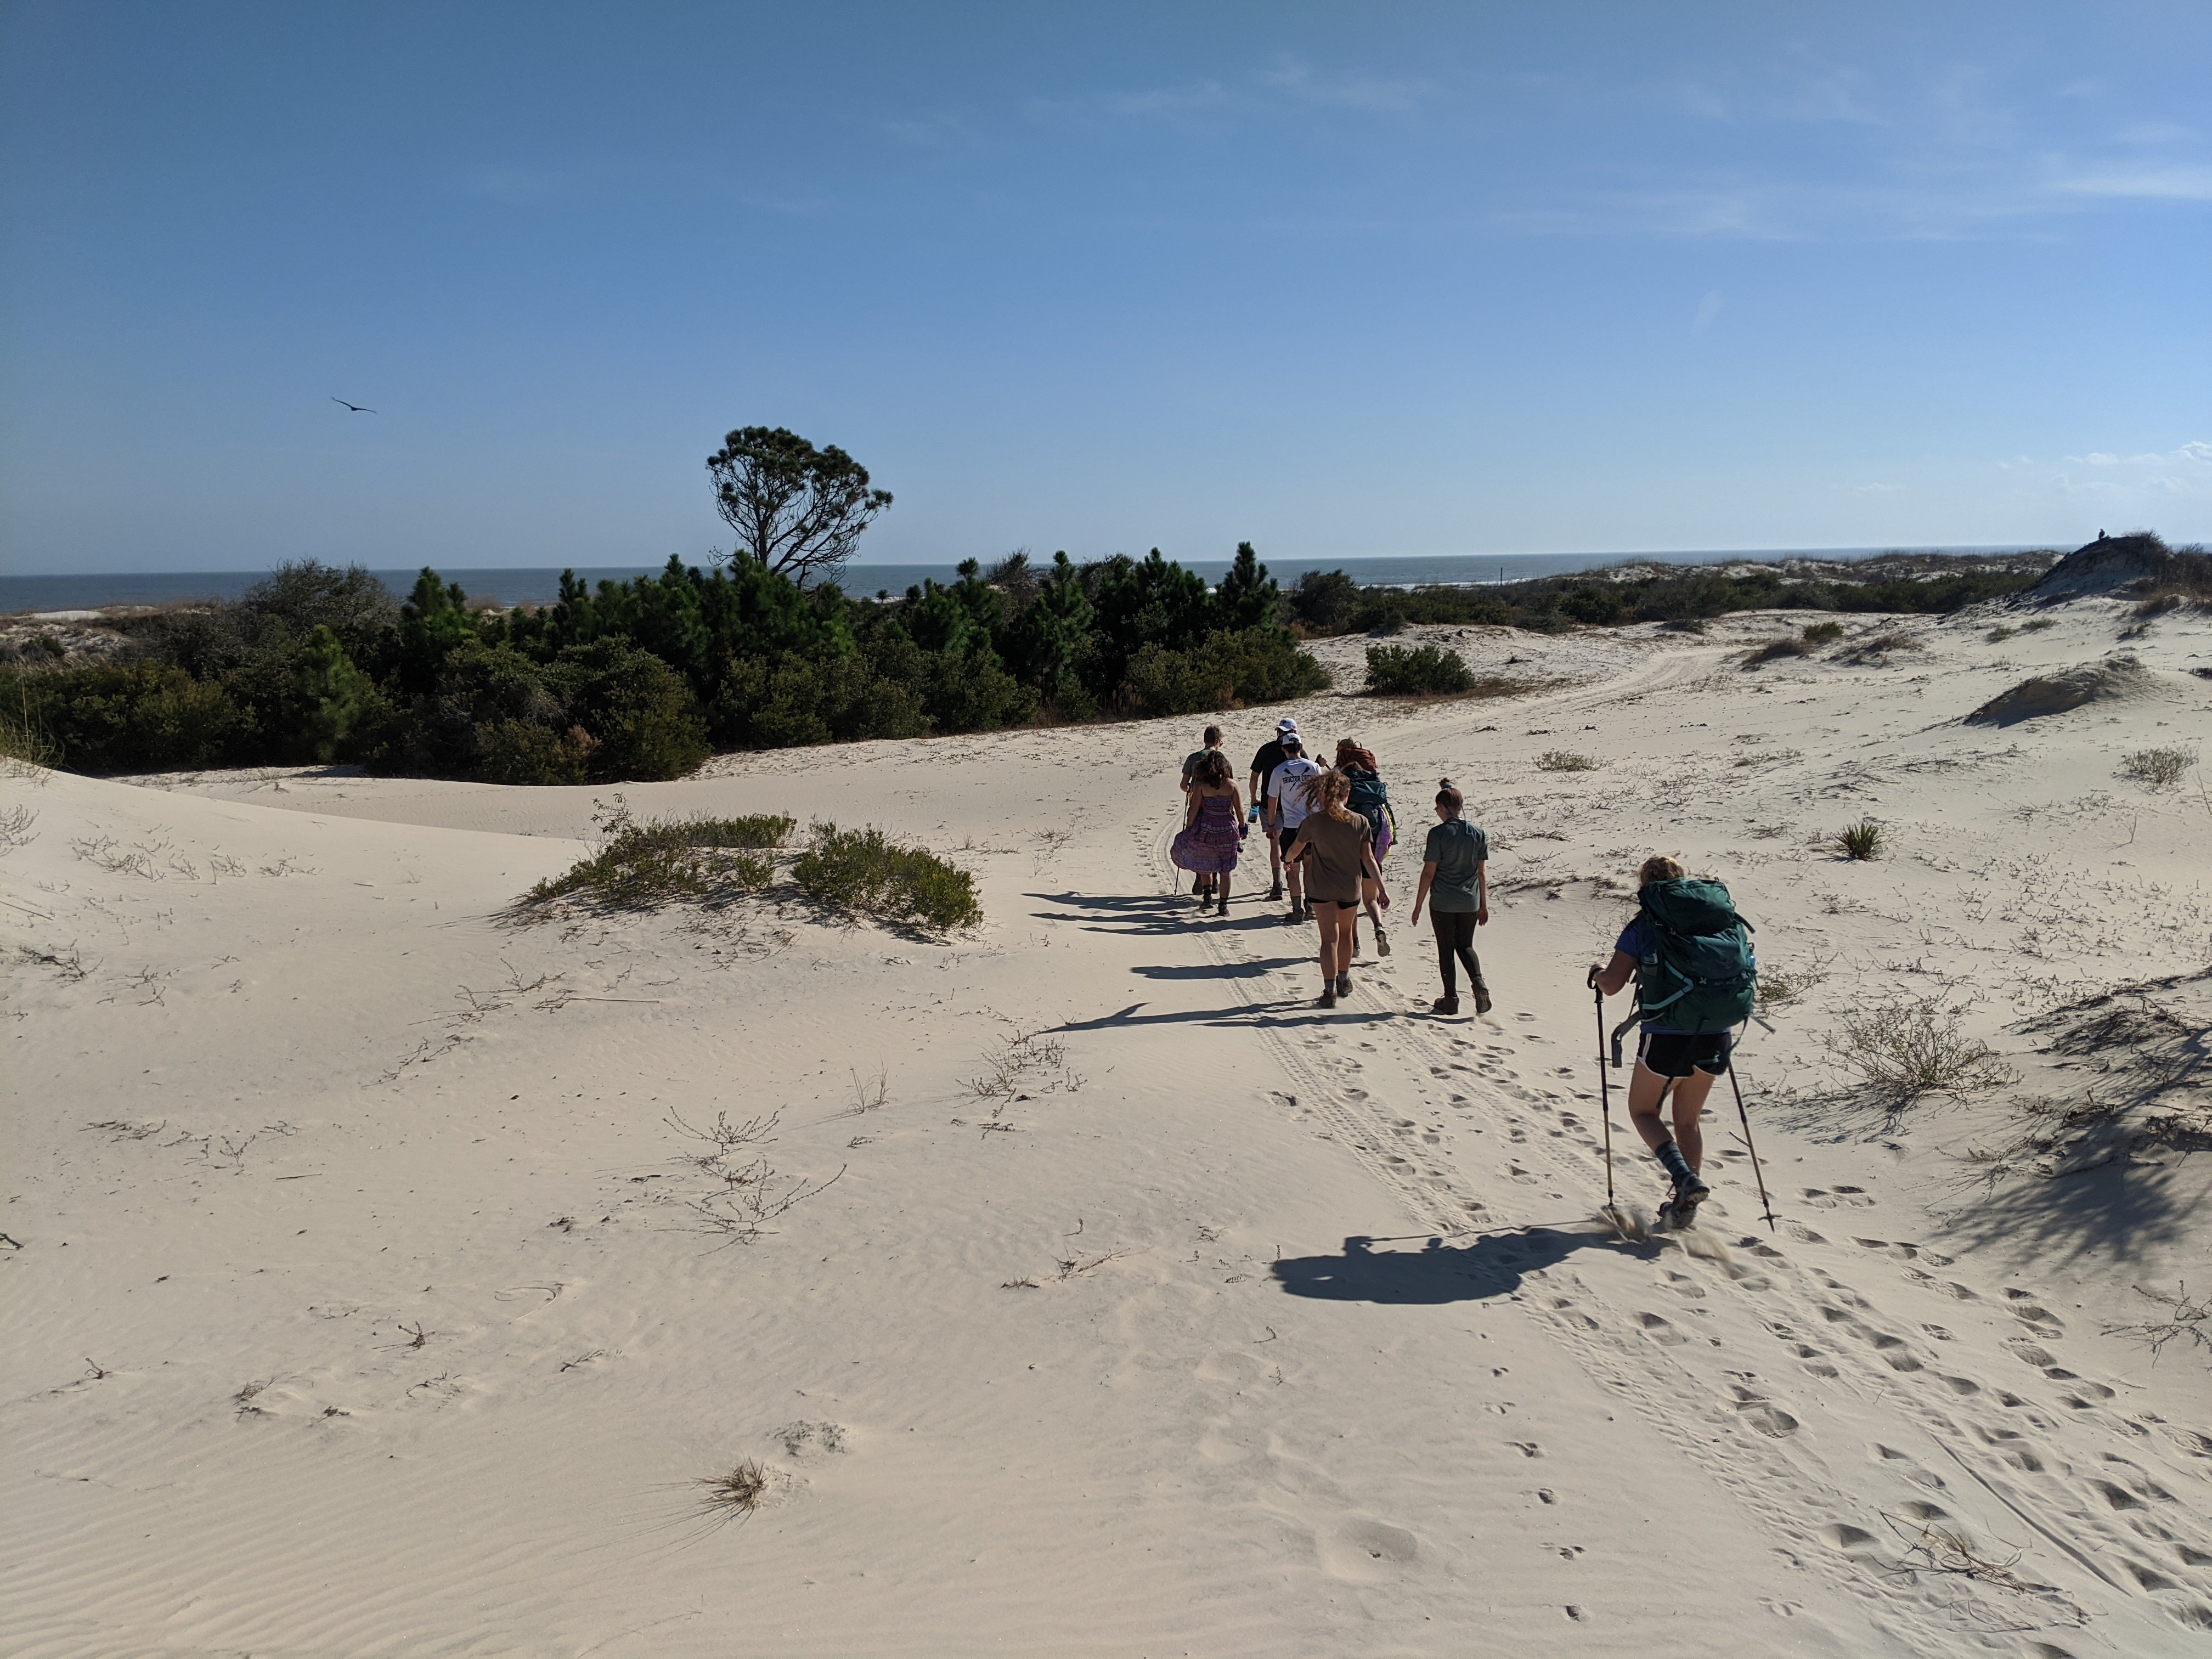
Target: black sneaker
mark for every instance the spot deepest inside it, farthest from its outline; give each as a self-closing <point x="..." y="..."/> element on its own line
<point x="1482" y="1002"/>
<point x="1444" y="1006"/>
<point x="1275" y="892"/>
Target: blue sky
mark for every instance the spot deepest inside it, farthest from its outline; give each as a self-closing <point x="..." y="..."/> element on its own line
<point x="1342" y="279"/>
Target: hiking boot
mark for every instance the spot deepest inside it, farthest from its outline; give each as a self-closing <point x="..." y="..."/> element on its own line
<point x="1481" y="1001"/>
<point x="1344" y="985"/>
<point x="1444" y="1006"/>
<point x="1275" y="892"/>
<point x="1327" y="998"/>
<point x="1198" y="883"/>
<point x="1688" y="1194"/>
<point x="1221" y="905"/>
<point x="1382" y="942"/>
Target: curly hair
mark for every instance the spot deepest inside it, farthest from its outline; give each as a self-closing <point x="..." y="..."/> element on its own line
<point x="1212" y="770"/>
<point x="1660" y="867"/>
<point x="1327" y="792"/>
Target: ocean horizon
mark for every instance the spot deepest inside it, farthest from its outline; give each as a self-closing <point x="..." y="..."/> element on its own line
<point x="540" y="584"/>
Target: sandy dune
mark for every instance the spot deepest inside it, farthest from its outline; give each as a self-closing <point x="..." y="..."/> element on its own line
<point x="360" y="1303"/>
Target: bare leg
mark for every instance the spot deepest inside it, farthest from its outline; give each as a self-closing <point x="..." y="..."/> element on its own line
<point x="1335" y="943"/>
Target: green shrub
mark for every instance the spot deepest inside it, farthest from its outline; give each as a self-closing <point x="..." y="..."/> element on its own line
<point x="515" y="751"/>
<point x="1861" y="840"/>
<point x="645" y="721"/>
<point x="862" y="872"/>
<point x="1225" y="669"/>
<point x="129" y="717"/>
<point x="2036" y="624"/>
<point x="1820" y="633"/>
<point x="2000" y="634"/>
<point x="1562" y="760"/>
<point x="1398" y="670"/>
<point x="640" y="866"/>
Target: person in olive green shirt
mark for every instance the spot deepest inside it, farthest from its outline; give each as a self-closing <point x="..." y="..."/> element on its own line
<point x="1457" y="892"/>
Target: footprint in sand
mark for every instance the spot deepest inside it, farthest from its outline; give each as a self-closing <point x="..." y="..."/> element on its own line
<point x="1661" y="1329"/>
<point x="1526" y="1447"/>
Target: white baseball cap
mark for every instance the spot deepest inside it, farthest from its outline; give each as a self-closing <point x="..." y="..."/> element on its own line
<point x="1286" y="724"/>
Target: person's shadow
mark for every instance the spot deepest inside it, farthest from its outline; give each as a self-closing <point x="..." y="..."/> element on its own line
<point x="1490" y="1266"/>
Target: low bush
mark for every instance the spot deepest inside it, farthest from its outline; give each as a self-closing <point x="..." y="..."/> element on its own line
<point x="862" y="872"/>
<point x="1820" y="633"/>
<point x="1903" y="1050"/>
<point x="2036" y="625"/>
<point x="1562" y="760"/>
<point x="2000" y="634"/>
<point x="1398" y="670"/>
<point x="640" y="866"/>
<point x="1861" y="840"/>
<point x="2157" y="767"/>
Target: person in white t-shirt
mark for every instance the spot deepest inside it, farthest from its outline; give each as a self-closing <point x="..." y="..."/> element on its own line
<point x="1289" y="799"/>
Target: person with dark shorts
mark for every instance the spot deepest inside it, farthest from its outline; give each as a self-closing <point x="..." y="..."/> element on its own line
<point x="1331" y="850"/>
<point x="1457" y="892"/>
<point x="1290" y="798"/>
<point x="1264" y="763"/>
<point x="1685" y="1064"/>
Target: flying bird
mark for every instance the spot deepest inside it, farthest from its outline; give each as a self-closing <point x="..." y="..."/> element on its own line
<point x="356" y="408"/>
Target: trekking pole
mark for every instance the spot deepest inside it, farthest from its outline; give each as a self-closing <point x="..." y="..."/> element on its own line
<point x="1604" y="1094"/>
<point x="1744" y="1118"/>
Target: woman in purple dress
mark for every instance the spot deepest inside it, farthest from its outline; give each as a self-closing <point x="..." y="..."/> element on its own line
<point x="1213" y="830"/>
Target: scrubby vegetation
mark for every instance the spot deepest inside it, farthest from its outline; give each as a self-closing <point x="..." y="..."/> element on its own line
<point x="1331" y="602"/>
<point x="1398" y="670"/>
<point x="1904" y="1050"/>
<point x="1564" y="760"/>
<point x="2157" y="767"/>
<point x="644" y="679"/>
<point x="862" y="872"/>
<point x="640" y="865"/>
<point x="1821" y="633"/>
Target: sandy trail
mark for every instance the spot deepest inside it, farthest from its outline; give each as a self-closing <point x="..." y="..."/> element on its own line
<point x="363" y="1305"/>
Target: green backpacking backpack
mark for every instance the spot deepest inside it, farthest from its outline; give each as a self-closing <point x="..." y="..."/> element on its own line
<point x="1698" y="973"/>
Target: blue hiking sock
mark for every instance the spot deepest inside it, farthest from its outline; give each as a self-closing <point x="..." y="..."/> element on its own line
<point x="1670" y="1156"/>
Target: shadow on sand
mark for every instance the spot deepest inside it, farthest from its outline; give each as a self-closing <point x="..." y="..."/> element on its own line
<point x="1490" y="1266"/>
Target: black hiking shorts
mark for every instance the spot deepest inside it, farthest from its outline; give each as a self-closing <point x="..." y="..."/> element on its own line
<point x="1676" y="1053"/>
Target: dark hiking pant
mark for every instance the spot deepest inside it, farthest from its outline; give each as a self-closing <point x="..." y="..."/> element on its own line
<point x="1456" y="937"/>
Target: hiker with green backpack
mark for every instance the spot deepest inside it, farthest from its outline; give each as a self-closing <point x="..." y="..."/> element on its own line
<point x="1690" y="955"/>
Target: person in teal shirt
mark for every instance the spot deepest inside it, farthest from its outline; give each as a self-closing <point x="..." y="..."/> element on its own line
<point x="1457" y="893"/>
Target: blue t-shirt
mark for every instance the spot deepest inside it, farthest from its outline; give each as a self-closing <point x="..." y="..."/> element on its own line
<point x="1636" y="940"/>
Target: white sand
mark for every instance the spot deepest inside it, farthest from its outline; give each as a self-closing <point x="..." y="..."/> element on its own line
<point x="289" y="1092"/>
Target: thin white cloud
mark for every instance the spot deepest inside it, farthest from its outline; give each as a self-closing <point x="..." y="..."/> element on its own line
<point x="1353" y="89"/>
<point x="2181" y="183"/>
<point x="1879" y="488"/>
<point x="1707" y="308"/>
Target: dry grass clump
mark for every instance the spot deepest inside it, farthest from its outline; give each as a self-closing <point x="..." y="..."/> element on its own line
<point x="1774" y="649"/>
<point x="1904" y="1050"/>
<point x="737" y="1495"/>
<point x="1820" y="633"/>
<point x="2158" y="768"/>
<point x="1861" y="840"/>
<point x="641" y="866"/>
<point x="1563" y="760"/>
<point x="1779" y="987"/>
<point x="862" y="872"/>
<point x="15" y="828"/>
<point x="2036" y="624"/>
<point x="2000" y="634"/>
<point x="1880" y="648"/>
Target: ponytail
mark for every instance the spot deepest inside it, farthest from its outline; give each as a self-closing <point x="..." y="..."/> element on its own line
<point x="1449" y="798"/>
